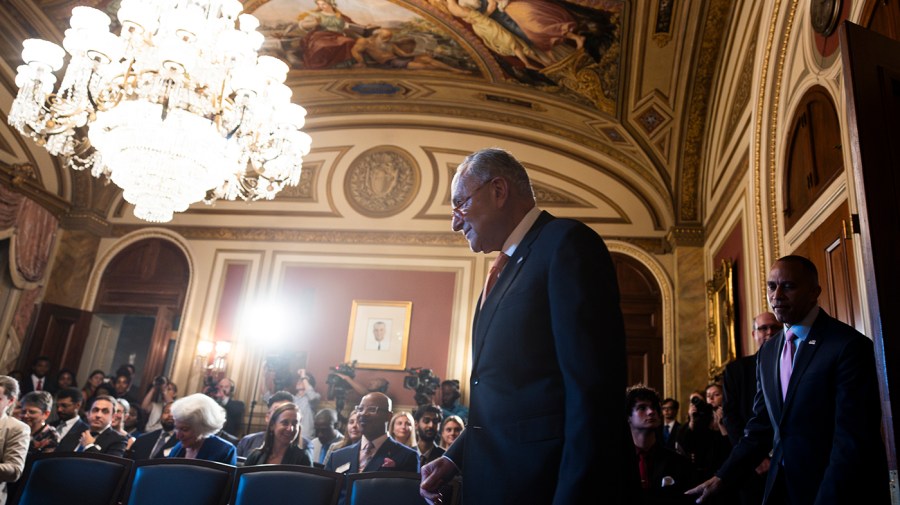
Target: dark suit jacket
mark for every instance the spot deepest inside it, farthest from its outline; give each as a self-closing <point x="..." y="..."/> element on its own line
<point x="145" y="443"/>
<point x="234" y="418"/>
<point x="293" y="456"/>
<point x="73" y="437"/>
<point x="26" y="386"/>
<point x="109" y="442"/>
<point x="213" y="449"/>
<point x="670" y="473"/>
<point x="405" y="459"/>
<point x="548" y="366"/>
<point x="740" y="388"/>
<point x="825" y="436"/>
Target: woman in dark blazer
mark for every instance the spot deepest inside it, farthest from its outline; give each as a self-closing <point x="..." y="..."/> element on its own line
<point x="281" y="444"/>
<point x="197" y="419"/>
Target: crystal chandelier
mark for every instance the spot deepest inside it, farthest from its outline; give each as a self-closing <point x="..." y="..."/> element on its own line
<point x="178" y="108"/>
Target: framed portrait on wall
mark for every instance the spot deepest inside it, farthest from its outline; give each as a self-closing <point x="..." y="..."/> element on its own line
<point x="379" y="334"/>
<point x="721" y="330"/>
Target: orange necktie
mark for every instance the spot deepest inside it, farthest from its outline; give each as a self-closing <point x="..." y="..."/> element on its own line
<point x="496" y="267"/>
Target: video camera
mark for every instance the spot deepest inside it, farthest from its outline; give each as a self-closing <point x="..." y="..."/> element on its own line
<point x="423" y="382"/>
<point x="704" y="411"/>
<point x="337" y="387"/>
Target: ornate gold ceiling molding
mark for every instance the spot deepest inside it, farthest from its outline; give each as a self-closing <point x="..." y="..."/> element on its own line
<point x="729" y="193"/>
<point x="686" y="236"/>
<point x="382" y="181"/>
<point x="769" y="119"/>
<point x="708" y="59"/>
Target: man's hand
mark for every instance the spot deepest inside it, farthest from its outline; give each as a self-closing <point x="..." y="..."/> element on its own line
<point x="434" y="475"/>
<point x="706" y="489"/>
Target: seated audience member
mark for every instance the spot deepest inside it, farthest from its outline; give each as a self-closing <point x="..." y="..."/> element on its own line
<point x="661" y="475"/>
<point x="401" y="429"/>
<point x="69" y="425"/>
<point x="428" y="422"/>
<point x="351" y="435"/>
<point x="450" y="405"/>
<point x="255" y="440"/>
<point x="134" y="422"/>
<point x="93" y="381"/>
<point x="65" y="378"/>
<point x="35" y="411"/>
<point x="280" y="445"/>
<point x="122" y="409"/>
<point x="102" y="437"/>
<point x="157" y="443"/>
<point x="375" y="451"/>
<point x="306" y="399"/>
<point x="326" y="424"/>
<point x="451" y="429"/>
<point x="14" y="437"/>
<point x="38" y="380"/>
<point x="197" y="420"/>
<point x="123" y="389"/>
<point x="160" y="393"/>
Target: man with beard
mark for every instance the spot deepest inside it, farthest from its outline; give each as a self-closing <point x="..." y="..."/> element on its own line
<point x="428" y="419"/>
<point x="69" y="425"/>
<point x="156" y="444"/>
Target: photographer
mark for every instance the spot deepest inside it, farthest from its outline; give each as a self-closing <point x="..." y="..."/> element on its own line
<point x="702" y="442"/>
<point x="450" y="405"/>
<point x="307" y="399"/>
<point x="160" y="393"/>
<point x="424" y="382"/>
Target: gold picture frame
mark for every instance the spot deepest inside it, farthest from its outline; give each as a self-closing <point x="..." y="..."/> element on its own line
<point x="379" y="334"/>
<point x="721" y="328"/>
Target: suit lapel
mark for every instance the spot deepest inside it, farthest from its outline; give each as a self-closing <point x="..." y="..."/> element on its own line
<point x="485" y="314"/>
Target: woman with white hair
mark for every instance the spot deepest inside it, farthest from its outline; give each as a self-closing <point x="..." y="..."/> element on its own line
<point x="197" y="420"/>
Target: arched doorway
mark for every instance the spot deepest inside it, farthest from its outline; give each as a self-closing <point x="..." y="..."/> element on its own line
<point x="137" y="311"/>
<point x="641" y="303"/>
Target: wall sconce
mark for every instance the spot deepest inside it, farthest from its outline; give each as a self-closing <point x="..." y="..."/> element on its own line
<point x="223" y="347"/>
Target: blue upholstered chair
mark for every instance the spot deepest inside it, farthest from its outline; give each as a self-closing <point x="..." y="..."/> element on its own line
<point x="379" y="488"/>
<point x="275" y="484"/>
<point x="177" y="481"/>
<point x="70" y="477"/>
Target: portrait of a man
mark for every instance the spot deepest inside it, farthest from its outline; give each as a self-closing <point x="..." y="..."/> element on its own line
<point x="378" y="339"/>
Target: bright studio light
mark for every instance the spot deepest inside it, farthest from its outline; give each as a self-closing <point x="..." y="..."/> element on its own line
<point x="264" y="323"/>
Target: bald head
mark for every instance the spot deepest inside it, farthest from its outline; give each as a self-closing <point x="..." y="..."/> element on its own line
<point x="765" y="325"/>
<point x="374" y="414"/>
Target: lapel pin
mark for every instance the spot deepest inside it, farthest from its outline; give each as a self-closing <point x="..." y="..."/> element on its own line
<point x="519" y="260"/>
<point x="812" y="342"/>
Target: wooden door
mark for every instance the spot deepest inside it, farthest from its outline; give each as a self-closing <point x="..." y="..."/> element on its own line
<point x="641" y="304"/>
<point x="872" y="85"/>
<point x="830" y="248"/>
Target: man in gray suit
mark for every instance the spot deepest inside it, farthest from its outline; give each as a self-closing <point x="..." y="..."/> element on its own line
<point x="14" y="437"/>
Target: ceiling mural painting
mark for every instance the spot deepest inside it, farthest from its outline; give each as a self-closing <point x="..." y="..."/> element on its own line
<point x="571" y="49"/>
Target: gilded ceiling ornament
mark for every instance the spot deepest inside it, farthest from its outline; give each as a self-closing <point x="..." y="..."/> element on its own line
<point x="382" y="181"/>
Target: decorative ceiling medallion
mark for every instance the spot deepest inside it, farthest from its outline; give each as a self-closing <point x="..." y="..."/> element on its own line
<point x="651" y="119"/>
<point x="613" y="134"/>
<point x="382" y="181"/>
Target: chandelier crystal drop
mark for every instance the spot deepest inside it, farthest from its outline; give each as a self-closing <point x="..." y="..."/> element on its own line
<point x="178" y="108"/>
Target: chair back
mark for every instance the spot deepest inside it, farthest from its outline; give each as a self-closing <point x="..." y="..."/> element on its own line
<point x="275" y="484"/>
<point x="378" y="488"/>
<point x="178" y="481"/>
<point x="67" y="477"/>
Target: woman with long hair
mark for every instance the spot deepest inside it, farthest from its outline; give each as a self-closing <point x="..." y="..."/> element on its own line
<point x="281" y="445"/>
<point x="402" y="429"/>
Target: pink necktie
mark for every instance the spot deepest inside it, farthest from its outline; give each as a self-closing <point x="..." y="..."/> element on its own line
<point x="787" y="361"/>
<point x="496" y="267"/>
<point x="366" y="455"/>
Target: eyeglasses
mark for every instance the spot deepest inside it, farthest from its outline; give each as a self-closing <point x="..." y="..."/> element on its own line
<point x="462" y="207"/>
<point x="366" y="409"/>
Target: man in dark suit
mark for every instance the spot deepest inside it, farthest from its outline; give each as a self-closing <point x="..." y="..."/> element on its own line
<point x="157" y="443"/>
<point x="234" y="409"/>
<point x="69" y="425"/>
<point x="670" y="424"/>
<point x="548" y="362"/>
<point x="102" y="437"/>
<point x="817" y="407"/>
<point x="39" y="379"/>
<point x="375" y="451"/>
<point x="739" y="387"/>
<point x="428" y="421"/>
